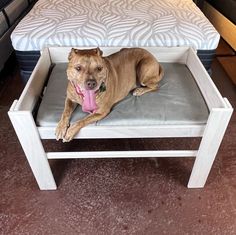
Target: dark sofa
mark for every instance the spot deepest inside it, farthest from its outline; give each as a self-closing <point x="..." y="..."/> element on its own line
<point x="11" y="12"/>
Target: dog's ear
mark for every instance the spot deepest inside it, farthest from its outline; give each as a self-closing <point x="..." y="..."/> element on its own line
<point x="72" y="52"/>
<point x="99" y="52"/>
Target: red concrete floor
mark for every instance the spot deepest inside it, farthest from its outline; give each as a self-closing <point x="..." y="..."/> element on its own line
<point x="116" y="196"/>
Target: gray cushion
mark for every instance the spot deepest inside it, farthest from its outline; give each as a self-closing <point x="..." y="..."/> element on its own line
<point x="177" y="101"/>
<point x="15" y="9"/>
<point x="3" y="24"/>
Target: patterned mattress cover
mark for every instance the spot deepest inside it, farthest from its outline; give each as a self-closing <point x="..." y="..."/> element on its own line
<point x="114" y="23"/>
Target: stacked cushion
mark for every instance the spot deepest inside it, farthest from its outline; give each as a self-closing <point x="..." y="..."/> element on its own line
<point x="11" y="11"/>
<point x="15" y="9"/>
<point x="3" y="24"/>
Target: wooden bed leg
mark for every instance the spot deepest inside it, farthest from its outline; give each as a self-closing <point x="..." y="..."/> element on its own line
<point x="29" y="138"/>
<point x="211" y="140"/>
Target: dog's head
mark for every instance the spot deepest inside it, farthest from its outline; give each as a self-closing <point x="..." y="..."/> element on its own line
<point x="86" y="69"/>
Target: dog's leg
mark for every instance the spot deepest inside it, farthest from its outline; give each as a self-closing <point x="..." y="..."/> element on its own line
<point x="75" y="127"/>
<point x="148" y="79"/>
<point x="142" y="90"/>
<point x="65" y="119"/>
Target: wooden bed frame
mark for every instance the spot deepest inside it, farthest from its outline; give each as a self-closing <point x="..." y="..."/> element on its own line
<point x="30" y="135"/>
<point x="224" y="26"/>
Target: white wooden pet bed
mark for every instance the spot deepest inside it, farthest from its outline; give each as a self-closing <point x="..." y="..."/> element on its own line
<point x="200" y="112"/>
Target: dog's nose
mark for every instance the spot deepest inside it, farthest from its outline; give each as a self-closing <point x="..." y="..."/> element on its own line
<point x="90" y="84"/>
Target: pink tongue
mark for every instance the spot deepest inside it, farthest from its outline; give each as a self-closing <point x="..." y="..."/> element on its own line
<point x="89" y="104"/>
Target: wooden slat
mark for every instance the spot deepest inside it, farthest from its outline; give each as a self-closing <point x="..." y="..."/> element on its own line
<point x="34" y="86"/>
<point x="224" y="26"/>
<point x="213" y="135"/>
<point x="207" y="87"/>
<point x="28" y="136"/>
<point x="98" y="132"/>
<point x="121" y="154"/>
<point x="163" y="54"/>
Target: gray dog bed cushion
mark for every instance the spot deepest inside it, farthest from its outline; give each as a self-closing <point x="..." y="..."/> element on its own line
<point x="178" y="101"/>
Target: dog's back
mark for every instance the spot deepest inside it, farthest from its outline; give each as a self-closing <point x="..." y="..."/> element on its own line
<point x="135" y="67"/>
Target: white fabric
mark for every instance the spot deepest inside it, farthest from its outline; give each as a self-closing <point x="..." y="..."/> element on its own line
<point x="114" y="23"/>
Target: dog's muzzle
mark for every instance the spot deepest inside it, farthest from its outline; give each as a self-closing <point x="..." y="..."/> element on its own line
<point x="90" y="84"/>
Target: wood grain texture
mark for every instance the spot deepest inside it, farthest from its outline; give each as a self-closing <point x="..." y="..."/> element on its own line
<point x="213" y="135"/>
<point x="34" y="86"/>
<point x="121" y="154"/>
<point x="103" y="132"/>
<point x="224" y="26"/>
<point x="207" y="87"/>
<point x="28" y="136"/>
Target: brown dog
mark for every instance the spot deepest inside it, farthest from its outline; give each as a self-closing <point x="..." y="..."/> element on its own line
<point x="97" y="83"/>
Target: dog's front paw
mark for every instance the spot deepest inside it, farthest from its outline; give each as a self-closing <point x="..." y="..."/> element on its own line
<point x="138" y="91"/>
<point x="142" y="90"/>
<point x="71" y="132"/>
<point x="61" y="130"/>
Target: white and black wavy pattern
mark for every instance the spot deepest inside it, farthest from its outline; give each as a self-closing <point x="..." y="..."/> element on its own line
<point x="114" y="23"/>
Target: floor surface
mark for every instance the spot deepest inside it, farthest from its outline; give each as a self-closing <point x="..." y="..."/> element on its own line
<point x="116" y="196"/>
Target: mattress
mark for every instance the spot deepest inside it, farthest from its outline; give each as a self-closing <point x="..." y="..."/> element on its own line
<point x="28" y="59"/>
<point x="177" y="101"/>
<point x="114" y="23"/>
<point x="227" y="8"/>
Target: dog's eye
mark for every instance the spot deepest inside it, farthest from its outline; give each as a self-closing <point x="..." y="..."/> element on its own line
<point x="99" y="68"/>
<point x="78" y="68"/>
